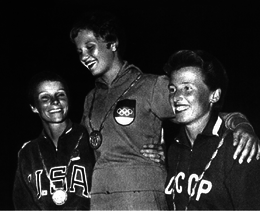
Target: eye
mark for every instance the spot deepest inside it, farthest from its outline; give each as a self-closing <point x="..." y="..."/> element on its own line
<point x="89" y="47"/>
<point x="44" y="98"/>
<point x="187" y="88"/>
<point x="61" y="95"/>
<point x="172" y="89"/>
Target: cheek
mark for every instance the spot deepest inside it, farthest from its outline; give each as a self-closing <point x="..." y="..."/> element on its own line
<point x="171" y="99"/>
<point x="105" y="55"/>
<point x="203" y="101"/>
<point x="42" y="106"/>
<point x="65" y="104"/>
<point x="95" y="52"/>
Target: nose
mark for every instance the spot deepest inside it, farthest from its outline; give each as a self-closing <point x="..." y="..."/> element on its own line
<point x="84" y="56"/>
<point x="177" y="96"/>
<point x="55" y="101"/>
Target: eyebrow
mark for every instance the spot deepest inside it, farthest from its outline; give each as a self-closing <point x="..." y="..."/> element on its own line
<point x="44" y="92"/>
<point x="187" y="82"/>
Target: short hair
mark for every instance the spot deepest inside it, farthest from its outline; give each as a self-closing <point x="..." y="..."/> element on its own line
<point x="40" y="77"/>
<point x="104" y="25"/>
<point x="212" y="70"/>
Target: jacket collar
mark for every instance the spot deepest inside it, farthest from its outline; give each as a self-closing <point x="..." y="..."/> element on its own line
<point x="213" y="128"/>
<point x="66" y="131"/>
<point x="126" y="67"/>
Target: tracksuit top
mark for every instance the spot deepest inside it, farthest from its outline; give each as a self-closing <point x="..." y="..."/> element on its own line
<point x="225" y="185"/>
<point x="133" y="119"/>
<point x="33" y="189"/>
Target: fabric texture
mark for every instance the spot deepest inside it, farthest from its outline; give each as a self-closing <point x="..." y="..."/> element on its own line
<point x="33" y="189"/>
<point x="132" y="200"/>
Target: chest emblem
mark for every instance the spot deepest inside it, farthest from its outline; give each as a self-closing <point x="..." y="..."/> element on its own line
<point x="124" y="112"/>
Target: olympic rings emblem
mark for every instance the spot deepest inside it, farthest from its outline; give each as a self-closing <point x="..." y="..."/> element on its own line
<point x="124" y="111"/>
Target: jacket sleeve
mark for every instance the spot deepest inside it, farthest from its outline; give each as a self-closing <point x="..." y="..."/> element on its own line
<point x="22" y="197"/>
<point x="160" y="103"/>
<point x="243" y="184"/>
<point x="86" y="108"/>
<point x="235" y="119"/>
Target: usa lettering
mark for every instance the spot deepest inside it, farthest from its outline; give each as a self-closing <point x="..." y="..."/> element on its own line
<point x="58" y="177"/>
<point x="204" y="186"/>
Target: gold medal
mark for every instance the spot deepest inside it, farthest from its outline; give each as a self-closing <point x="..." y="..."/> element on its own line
<point x="59" y="197"/>
<point x="95" y="139"/>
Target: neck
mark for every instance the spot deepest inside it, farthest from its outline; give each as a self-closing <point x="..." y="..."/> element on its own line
<point x="195" y="128"/>
<point x="110" y="75"/>
<point x="54" y="130"/>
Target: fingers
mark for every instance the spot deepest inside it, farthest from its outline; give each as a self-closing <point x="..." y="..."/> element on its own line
<point x="154" y="157"/>
<point x="246" y="147"/>
<point x="252" y="153"/>
<point x="162" y="158"/>
<point x="154" y="152"/>
<point x="236" y="137"/>
<point x="240" y="146"/>
<point x="152" y="146"/>
<point x="258" y="151"/>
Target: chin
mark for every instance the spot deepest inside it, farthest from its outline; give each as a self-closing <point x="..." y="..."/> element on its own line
<point x="56" y="121"/>
<point x="179" y="120"/>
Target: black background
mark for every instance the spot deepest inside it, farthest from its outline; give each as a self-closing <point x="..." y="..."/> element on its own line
<point x="37" y="34"/>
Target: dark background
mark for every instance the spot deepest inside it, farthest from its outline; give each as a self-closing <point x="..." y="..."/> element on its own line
<point x="36" y="35"/>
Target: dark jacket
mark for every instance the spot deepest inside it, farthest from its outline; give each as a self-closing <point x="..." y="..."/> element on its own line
<point x="225" y="185"/>
<point x="33" y="189"/>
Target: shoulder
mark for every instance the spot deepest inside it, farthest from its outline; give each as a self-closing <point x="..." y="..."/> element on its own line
<point x="78" y="131"/>
<point x="79" y="128"/>
<point x="27" y="147"/>
<point x="148" y="76"/>
<point x="24" y="144"/>
<point x="90" y="94"/>
<point x="160" y="81"/>
<point x="156" y="77"/>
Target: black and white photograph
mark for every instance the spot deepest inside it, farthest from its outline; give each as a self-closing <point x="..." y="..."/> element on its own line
<point x="84" y="104"/>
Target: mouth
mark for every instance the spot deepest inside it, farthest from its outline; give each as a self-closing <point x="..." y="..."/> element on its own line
<point x="58" y="110"/>
<point x="89" y="64"/>
<point x="180" y="108"/>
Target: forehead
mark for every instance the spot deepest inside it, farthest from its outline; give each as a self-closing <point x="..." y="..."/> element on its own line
<point x="86" y="36"/>
<point x="187" y="74"/>
<point x="49" y="86"/>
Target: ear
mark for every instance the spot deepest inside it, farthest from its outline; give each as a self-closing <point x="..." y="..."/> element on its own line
<point x="34" y="109"/>
<point x="114" y="46"/>
<point x="215" y="96"/>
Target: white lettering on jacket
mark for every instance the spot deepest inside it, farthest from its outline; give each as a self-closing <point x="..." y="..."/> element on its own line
<point x="205" y="186"/>
<point x="58" y="178"/>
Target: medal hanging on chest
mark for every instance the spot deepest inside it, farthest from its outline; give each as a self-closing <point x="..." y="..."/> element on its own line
<point x="60" y="196"/>
<point x="95" y="137"/>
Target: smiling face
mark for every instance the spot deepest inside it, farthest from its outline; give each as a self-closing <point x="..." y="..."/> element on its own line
<point x="97" y="55"/>
<point x="51" y="102"/>
<point x="189" y="96"/>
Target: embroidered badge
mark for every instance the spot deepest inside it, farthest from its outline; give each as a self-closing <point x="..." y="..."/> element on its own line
<point x="124" y="112"/>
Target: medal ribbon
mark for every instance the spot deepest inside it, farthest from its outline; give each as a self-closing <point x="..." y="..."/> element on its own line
<point x="110" y="109"/>
<point x="204" y="171"/>
<point x="71" y="156"/>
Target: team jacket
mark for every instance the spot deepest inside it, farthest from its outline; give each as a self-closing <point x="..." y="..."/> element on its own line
<point x="33" y="189"/>
<point x="225" y="185"/>
<point x="134" y="119"/>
